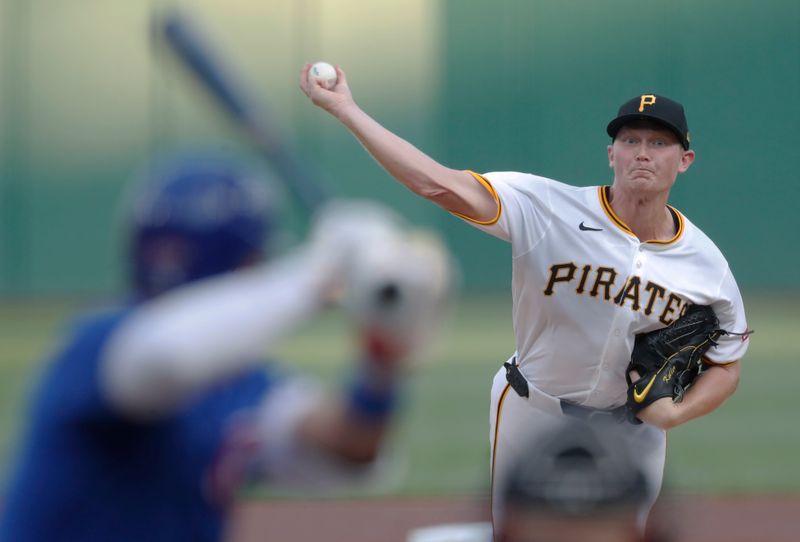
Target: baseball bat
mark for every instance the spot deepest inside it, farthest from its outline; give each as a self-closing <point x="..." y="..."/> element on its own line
<point x="195" y="50"/>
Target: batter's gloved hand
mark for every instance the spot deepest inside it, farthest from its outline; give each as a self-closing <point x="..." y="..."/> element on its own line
<point x="342" y="231"/>
<point x="668" y="360"/>
<point x="398" y="292"/>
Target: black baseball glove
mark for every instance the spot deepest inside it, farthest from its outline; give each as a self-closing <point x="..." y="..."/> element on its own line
<point x="669" y="359"/>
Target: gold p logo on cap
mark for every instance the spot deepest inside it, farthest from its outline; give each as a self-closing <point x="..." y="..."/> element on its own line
<point x="647" y="99"/>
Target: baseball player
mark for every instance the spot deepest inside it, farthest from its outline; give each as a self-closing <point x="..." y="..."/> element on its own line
<point x="592" y="268"/>
<point x="152" y="414"/>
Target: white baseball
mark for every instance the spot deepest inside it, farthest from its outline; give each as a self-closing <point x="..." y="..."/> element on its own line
<point x="324" y="73"/>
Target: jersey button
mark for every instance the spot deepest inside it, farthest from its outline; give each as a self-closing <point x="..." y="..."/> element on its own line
<point x="638" y="263"/>
<point x="617" y="332"/>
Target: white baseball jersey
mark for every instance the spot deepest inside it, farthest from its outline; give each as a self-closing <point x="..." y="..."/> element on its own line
<point x="583" y="286"/>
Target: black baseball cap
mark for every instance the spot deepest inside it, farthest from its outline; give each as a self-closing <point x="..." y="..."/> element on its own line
<point x="656" y="108"/>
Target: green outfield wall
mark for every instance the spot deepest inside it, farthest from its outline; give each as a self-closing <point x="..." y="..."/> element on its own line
<point x="86" y="97"/>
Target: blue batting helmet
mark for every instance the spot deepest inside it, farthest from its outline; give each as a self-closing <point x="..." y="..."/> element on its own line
<point x="196" y="216"/>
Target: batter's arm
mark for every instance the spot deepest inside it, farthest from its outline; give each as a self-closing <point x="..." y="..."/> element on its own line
<point x="337" y="427"/>
<point x="186" y="341"/>
<point x="192" y="338"/>
<point x="310" y="439"/>
<point x="708" y="392"/>
<point x="454" y="190"/>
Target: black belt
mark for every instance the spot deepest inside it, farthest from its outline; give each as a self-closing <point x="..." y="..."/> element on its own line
<point x="520" y="385"/>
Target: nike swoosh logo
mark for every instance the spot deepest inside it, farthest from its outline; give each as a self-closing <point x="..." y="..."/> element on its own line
<point x="582" y="227"/>
<point x="639" y="397"/>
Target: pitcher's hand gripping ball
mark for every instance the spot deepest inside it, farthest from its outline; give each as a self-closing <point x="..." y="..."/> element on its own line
<point x="669" y="359"/>
<point x="324" y="73"/>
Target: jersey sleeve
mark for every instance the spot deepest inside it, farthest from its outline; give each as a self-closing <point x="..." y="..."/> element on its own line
<point x="524" y="209"/>
<point x="729" y="308"/>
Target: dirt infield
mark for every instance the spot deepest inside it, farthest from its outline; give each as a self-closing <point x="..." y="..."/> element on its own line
<point x="702" y="519"/>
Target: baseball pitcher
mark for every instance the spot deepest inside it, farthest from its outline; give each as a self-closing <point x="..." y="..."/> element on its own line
<point x="595" y="271"/>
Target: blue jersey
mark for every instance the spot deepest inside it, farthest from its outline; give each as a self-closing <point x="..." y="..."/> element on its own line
<point x="87" y="474"/>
